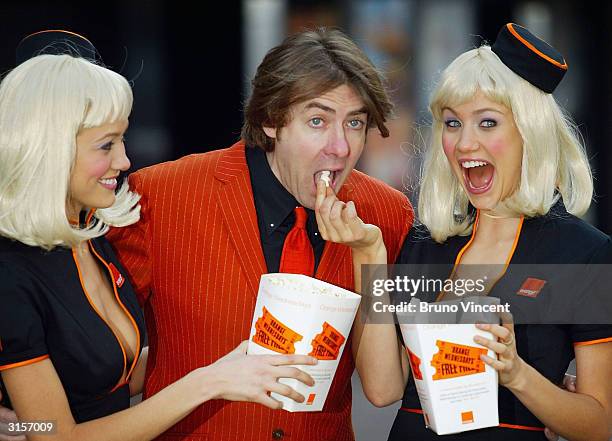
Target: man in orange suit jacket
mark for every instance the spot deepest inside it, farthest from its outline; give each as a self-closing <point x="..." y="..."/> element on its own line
<point x="213" y="223"/>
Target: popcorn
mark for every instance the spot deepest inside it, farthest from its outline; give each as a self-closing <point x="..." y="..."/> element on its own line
<point x="299" y="286"/>
<point x="297" y="314"/>
<point x="457" y="390"/>
<point x="325" y="177"/>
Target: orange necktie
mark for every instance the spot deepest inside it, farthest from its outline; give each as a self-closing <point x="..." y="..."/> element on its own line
<point x="298" y="256"/>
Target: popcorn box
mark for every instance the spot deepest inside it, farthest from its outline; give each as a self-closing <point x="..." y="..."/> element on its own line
<point x="457" y="390"/>
<point x="297" y="314"/>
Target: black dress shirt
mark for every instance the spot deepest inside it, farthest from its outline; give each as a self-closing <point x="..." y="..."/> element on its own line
<point x="274" y="206"/>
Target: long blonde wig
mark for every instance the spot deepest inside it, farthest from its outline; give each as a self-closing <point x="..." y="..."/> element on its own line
<point x="44" y="103"/>
<point x="554" y="161"/>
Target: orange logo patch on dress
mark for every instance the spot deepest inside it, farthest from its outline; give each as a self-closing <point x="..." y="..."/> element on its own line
<point x="117" y="276"/>
<point x="467" y="417"/>
<point x="531" y="287"/>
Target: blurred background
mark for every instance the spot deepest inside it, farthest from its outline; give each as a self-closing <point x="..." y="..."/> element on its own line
<point x="191" y="66"/>
<point x="191" y="70"/>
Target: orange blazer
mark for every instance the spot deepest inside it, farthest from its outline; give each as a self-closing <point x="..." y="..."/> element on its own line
<point x="195" y="260"/>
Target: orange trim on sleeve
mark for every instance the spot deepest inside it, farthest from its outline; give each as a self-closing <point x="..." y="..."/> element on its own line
<point x="533" y="48"/>
<point x="515" y="426"/>
<point x="24" y="363"/>
<point x="593" y="342"/>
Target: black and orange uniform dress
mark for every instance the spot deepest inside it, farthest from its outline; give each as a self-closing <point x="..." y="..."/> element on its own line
<point x="541" y="244"/>
<point x="45" y="312"/>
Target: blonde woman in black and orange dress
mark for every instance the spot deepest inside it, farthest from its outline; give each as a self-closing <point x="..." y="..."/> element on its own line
<point x="504" y="181"/>
<point x="71" y="330"/>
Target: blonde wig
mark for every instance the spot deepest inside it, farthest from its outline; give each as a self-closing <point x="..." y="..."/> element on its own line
<point x="554" y="162"/>
<point x="44" y="103"/>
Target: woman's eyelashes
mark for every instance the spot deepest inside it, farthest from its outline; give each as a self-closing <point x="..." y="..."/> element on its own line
<point x="485" y="123"/>
<point x="106" y="146"/>
<point x="452" y="123"/>
<point x="109" y="145"/>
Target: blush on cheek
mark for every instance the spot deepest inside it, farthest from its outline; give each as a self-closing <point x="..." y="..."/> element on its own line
<point x="99" y="168"/>
<point x="499" y="147"/>
<point x="449" y="147"/>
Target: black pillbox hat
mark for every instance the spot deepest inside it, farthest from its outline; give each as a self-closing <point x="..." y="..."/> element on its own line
<point x="530" y="57"/>
<point x="55" y="42"/>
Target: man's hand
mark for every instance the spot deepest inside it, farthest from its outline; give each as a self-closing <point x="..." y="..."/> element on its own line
<point x="338" y="222"/>
<point x="8" y="416"/>
<point x="569" y="383"/>
<point x="241" y="377"/>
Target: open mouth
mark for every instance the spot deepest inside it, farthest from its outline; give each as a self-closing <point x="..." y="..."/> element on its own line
<point x="110" y="183"/>
<point x="478" y="175"/>
<point x="332" y="176"/>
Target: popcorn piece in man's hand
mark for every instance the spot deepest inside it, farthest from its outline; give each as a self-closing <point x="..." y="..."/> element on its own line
<point x="325" y="177"/>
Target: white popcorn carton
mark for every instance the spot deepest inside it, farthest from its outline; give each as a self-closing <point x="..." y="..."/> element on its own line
<point x="457" y="390"/>
<point x="302" y="315"/>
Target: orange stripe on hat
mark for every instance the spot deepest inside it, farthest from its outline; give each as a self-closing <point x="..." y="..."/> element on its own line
<point x="534" y="49"/>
